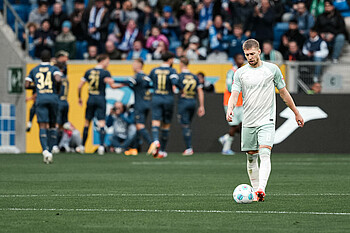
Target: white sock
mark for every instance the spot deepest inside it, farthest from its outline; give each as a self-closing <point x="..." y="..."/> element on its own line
<point x="253" y="170"/>
<point x="265" y="167"/>
<point x="228" y="143"/>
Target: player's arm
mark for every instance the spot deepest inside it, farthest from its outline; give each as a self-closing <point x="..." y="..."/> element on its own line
<point x="28" y="81"/>
<point x="113" y="85"/>
<point x="174" y="82"/>
<point x="201" y="109"/>
<point x="80" y="86"/>
<point x="231" y="104"/>
<point x="288" y="100"/>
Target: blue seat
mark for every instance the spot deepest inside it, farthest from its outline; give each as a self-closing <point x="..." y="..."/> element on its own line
<point x="22" y="11"/>
<point x="278" y="30"/>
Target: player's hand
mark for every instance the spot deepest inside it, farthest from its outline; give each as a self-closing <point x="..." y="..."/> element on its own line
<point x="229" y="115"/>
<point x="201" y="111"/>
<point x="80" y="102"/>
<point x="299" y="119"/>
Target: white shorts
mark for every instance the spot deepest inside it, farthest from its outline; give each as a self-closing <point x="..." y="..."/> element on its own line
<point x="253" y="137"/>
<point x="237" y="115"/>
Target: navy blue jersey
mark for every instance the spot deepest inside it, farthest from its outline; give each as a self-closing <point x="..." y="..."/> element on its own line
<point x="141" y="85"/>
<point x="95" y="77"/>
<point x="188" y="84"/>
<point x="43" y="77"/>
<point x="64" y="89"/>
<point x="163" y="78"/>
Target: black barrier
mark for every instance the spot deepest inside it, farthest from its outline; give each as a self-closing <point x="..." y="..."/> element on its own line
<point x="327" y="129"/>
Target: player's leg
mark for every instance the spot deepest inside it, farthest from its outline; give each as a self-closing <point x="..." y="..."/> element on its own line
<point x="100" y="112"/>
<point x="89" y="114"/>
<point x="185" y="116"/>
<point x="266" y="134"/>
<point x="250" y="145"/>
<point x="101" y="127"/>
<point x="31" y="116"/>
<point x="52" y="132"/>
<point x="168" y="107"/>
<point x="43" y="120"/>
<point x="156" y="120"/>
<point x="142" y="132"/>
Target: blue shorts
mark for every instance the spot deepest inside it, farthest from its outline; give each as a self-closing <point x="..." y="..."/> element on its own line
<point x="46" y="109"/>
<point x="162" y="108"/>
<point x="62" y="113"/>
<point x="186" y="110"/>
<point x="96" y="106"/>
<point x="141" y="115"/>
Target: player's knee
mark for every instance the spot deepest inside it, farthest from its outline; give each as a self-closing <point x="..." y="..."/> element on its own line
<point x="252" y="157"/>
<point x="264" y="153"/>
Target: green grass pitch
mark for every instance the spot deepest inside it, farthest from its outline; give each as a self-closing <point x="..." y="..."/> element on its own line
<point x="114" y="193"/>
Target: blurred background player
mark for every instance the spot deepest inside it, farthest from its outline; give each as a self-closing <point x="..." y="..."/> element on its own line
<point x="47" y="80"/>
<point x="236" y="123"/>
<point x="32" y="109"/>
<point x="124" y="129"/>
<point x="257" y="82"/>
<point x="70" y="139"/>
<point x="97" y="78"/>
<point x="63" y="106"/>
<point x="164" y="80"/>
<point x="189" y="87"/>
<point x="141" y="85"/>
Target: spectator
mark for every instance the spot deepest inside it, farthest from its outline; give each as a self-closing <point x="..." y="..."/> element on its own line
<point x="124" y="128"/>
<point x="70" y="139"/>
<point x="189" y="32"/>
<point x="316" y="88"/>
<point x="31" y="34"/>
<point x="44" y="39"/>
<point x="316" y="7"/>
<point x="205" y="11"/>
<point x="66" y="40"/>
<point x="146" y="20"/>
<point x="269" y="54"/>
<point x="343" y="6"/>
<point x="242" y="13"/>
<point x="137" y="52"/>
<point x="305" y="19"/>
<point x="38" y="15"/>
<point x="155" y="38"/>
<point x="112" y="52"/>
<point x="125" y="14"/>
<point x="57" y="18"/>
<point x="194" y="51"/>
<point x="95" y="23"/>
<point x="169" y="24"/>
<point x="207" y="86"/>
<point x="187" y="17"/>
<point x="216" y="33"/>
<point x="235" y="41"/>
<point x="292" y="34"/>
<point x="92" y="52"/>
<point x="179" y="52"/>
<point x="77" y="28"/>
<point x="264" y="19"/>
<point x="331" y="27"/>
<point x="160" y="50"/>
<point x="316" y="50"/>
<point x="130" y="34"/>
<point x="294" y="53"/>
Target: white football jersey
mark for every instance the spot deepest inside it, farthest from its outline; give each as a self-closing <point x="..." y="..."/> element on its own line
<point x="258" y="92"/>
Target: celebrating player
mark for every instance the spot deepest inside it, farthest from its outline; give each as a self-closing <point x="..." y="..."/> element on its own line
<point x="97" y="79"/>
<point x="164" y="80"/>
<point x="189" y="87"/>
<point x="235" y="125"/>
<point x="257" y="81"/>
<point x="46" y="79"/>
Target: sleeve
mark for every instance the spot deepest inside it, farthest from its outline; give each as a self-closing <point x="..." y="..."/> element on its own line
<point x="236" y="84"/>
<point x="278" y="78"/>
<point x="30" y="77"/>
<point x="229" y="79"/>
<point x="199" y="85"/>
<point x="86" y="75"/>
<point x="148" y="81"/>
<point x="109" y="121"/>
<point x="174" y="77"/>
<point x="57" y="71"/>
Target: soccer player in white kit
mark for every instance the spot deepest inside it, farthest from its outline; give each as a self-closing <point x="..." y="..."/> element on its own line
<point x="257" y="81"/>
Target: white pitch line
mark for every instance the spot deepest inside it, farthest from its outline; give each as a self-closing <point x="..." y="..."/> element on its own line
<point x="173" y="211"/>
<point x="159" y="195"/>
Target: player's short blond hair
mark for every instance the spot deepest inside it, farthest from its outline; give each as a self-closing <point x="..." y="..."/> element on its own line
<point x="251" y="43"/>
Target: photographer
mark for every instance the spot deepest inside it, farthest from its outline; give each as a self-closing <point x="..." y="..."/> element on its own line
<point x="124" y="129"/>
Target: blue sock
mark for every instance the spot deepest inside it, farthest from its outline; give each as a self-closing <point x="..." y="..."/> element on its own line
<point x="52" y="138"/>
<point x="102" y="136"/>
<point x="187" y="134"/>
<point x="144" y="133"/>
<point x="43" y="138"/>
<point x="155" y="133"/>
<point x="164" y="139"/>
<point x="85" y="135"/>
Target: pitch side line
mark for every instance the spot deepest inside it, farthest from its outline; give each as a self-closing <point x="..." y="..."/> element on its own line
<point x="159" y="195"/>
<point x="173" y="211"/>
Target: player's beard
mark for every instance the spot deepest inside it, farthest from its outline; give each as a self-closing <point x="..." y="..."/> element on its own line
<point x="253" y="63"/>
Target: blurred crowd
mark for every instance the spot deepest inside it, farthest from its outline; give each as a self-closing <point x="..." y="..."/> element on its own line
<point x="200" y="30"/>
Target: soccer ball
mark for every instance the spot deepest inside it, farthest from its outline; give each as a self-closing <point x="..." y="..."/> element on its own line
<point x="243" y="194"/>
